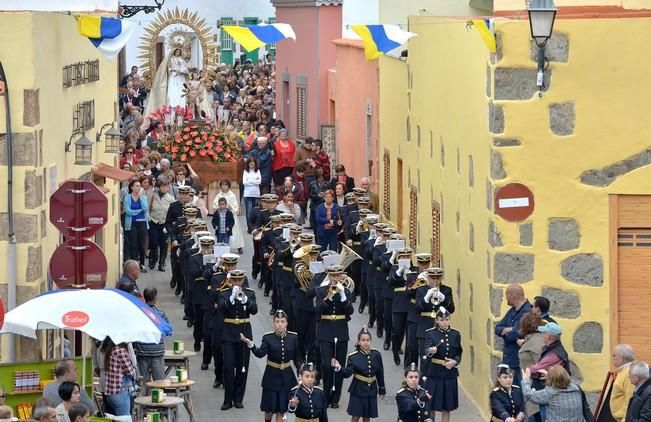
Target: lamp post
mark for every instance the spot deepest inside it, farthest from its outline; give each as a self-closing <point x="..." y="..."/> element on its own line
<point x="83" y="148"/>
<point x="111" y="137"/>
<point x="128" y="11"/>
<point x="541" y="21"/>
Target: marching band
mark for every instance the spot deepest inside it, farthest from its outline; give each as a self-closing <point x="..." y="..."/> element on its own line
<point x="312" y="296"/>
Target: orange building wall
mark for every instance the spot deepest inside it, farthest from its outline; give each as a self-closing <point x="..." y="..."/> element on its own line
<point x="357" y="85"/>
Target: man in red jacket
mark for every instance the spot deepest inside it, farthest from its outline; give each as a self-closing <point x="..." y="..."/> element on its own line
<point x="321" y="158"/>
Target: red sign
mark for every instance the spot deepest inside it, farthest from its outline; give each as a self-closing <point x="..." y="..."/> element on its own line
<point x="75" y="319"/>
<point x="78" y="256"/>
<point x="2" y="313"/>
<point x="514" y="202"/>
<point x="78" y="209"/>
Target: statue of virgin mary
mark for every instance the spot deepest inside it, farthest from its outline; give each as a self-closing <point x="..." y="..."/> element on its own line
<point x="168" y="84"/>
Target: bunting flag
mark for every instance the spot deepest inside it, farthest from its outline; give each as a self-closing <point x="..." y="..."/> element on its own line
<point x="109" y="35"/>
<point x="255" y="36"/>
<point x="485" y="29"/>
<point x="380" y="38"/>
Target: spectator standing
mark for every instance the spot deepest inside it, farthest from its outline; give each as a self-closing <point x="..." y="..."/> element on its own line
<point x="340" y="194"/>
<point x="327" y="216"/>
<point x="553" y="352"/>
<point x="150" y="356"/>
<point x="303" y="194"/>
<point x="237" y="238"/>
<point x="562" y="398"/>
<point x="129" y="279"/>
<point x="639" y="408"/>
<point x="305" y="157"/>
<point x="509" y="328"/>
<point x="136" y="210"/>
<point x="531" y="343"/>
<point x="541" y="307"/>
<point x="262" y="153"/>
<point x="321" y="158"/>
<point x="159" y="205"/>
<point x="251" y="180"/>
<point x="288" y="206"/>
<point x="342" y="177"/>
<point x="223" y="221"/>
<point x="65" y="370"/>
<point x="284" y="150"/>
<point x="317" y="191"/>
<point x="120" y="376"/>
<point x="70" y="394"/>
<point x="623" y="389"/>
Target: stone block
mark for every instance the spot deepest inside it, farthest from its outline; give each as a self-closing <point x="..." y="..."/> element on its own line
<point x="23" y="293"/>
<point x="499" y="46"/>
<point x="557" y="48"/>
<point x="458" y="284"/>
<point x="489" y="332"/>
<point x="33" y="190"/>
<point x="34" y="269"/>
<point x="604" y="176"/>
<point x="32" y="108"/>
<point x="506" y="142"/>
<point x="458" y="220"/>
<point x="562" y="118"/>
<point x="44" y="222"/>
<point x="584" y="268"/>
<point x="488" y="265"/>
<point x="495" y="360"/>
<point x="471" y="172"/>
<point x="563" y="234"/>
<point x="494" y="238"/>
<point x="488" y="80"/>
<point x="471" y="238"/>
<point x="471" y="298"/>
<point x="458" y="162"/>
<point x="442" y="153"/>
<point x="518" y="83"/>
<point x="513" y="267"/>
<point x="489" y="195"/>
<point x="25" y="227"/>
<point x="588" y="338"/>
<point x="562" y="304"/>
<point x="25" y="149"/>
<point x="577" y="376"/>
<point x="497" y="166"/>
<point x="498" y="342"/>
<point x="495" y="118"/>
<point x="526" y="234"/>
<point x="496" y="296"/>
<point x="472" y="360"/>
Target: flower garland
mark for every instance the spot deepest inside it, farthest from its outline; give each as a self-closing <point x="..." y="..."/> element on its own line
<point x="203" y="141"/>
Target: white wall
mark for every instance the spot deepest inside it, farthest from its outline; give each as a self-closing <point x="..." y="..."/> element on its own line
<point x="210" y="10"/>
<point x="60" y="5"/>
<point x="364" y="12"/>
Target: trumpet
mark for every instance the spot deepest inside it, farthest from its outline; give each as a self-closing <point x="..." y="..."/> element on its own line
<point x="435" y="297"/>
<point x="240" y="295"/>
<point x="419" y="282"/>
<point x="334" y="288"/>
<point x="293" y="243"/>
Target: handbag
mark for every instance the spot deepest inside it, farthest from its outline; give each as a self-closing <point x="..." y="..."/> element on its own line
<point x="587" y="413"/>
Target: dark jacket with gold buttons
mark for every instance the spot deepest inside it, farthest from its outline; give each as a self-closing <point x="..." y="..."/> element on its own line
<point x="235" y="315"/>
<point x="409" y="409"/>
<point x="280" y="352"/>
<point x="399" y="286"/>
<point x="505" y="404"/>
<point x="312" y="403"/>
<point x="426" y="322"/>
<point x="199" y="285"/>
<point x="329" y="309"/>
<point x="448" y="346"/>
<point x="367" y="372"/>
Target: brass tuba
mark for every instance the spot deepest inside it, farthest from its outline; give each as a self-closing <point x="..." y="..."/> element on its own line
<point x="348" y="283"/>
<point x="302" y="267"/>
<point x="347" y="256"/>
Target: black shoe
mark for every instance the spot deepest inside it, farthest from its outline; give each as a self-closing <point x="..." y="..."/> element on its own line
<point x="143" y="269"/>
<point x="216" y="384"/>
<point x="190" y="324"/>
<point x="226" y="406"/>
<point x="183" y="300"/>
<point x="152" y="265"/>
<point x="197" y="348"/>
<point x="161" y="268"/>
<point x="335" y="405"/>
<point x="400" y="351"/>
<point x="396" y="359"/>
<point x="177" y="292"/>
<point x="173" y="284"/>
<point x="370" y="324"/>
<point x="266" y="294"/>
<point x="361" y="309"/>
<point x="185" y="317"/>
<point x="260" y="284"/>
<point x="239" y="406"/>
<point x="387" y="345"/>
<point x="379" y="333"/>
<point x="254" y="274"/>
<point x="204" y="366"/>
<point x="240" y="252"/>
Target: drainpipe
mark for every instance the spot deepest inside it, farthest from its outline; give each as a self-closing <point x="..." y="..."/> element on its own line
<point x="11" y="236"/>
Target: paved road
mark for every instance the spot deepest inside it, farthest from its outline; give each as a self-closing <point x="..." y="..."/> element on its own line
<point x="207" y="401"/>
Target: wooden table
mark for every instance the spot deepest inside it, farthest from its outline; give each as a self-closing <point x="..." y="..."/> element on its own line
<point x="180" y="389"/>
<point x="177" y="360"/>
<point x="168" y="407"/>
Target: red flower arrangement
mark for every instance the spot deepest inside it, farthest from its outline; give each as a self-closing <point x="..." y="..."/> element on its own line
<point x="204" y="141"/>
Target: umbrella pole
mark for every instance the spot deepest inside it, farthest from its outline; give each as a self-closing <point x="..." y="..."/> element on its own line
<point x="83" y="362"/>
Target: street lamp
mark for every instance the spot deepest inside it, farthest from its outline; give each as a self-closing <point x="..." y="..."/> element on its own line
<point x="83" y="148"/>
<point x="541" y="21"/>
<point x="128" y="11"/>
<point x="111" y="137"/>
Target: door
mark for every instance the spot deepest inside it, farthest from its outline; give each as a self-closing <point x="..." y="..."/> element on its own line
<point x="632" y="284"/>
<point x="400" y="195"/>
<point x="285" y="105"/>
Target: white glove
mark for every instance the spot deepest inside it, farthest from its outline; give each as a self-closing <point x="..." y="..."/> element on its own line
<point x="377" y="241"/>
<point x="373" y="234"/>
<point x="216" y="266"/>
<point x="440" y="296"/>
<point x="246" y="299"/>
<point x="342" y="295"/>
<point x="234" y="293"/>
<point x="359" y="226"/>
<point x="400" y="271"/>
<point x="392" y="260"/>
<point x="164" y="230"/>
<point x="429" y="295"/>
<point x="422" y="276"/>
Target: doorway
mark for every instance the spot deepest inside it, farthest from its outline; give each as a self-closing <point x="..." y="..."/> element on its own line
<point x="285" y="99"/>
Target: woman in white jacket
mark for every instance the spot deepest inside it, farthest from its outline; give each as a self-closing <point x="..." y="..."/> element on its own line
<point x="237" y="238"/>
<point x="251" y="180"/>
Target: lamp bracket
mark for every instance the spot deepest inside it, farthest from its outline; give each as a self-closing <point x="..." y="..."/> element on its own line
<point x="74" y="133"/>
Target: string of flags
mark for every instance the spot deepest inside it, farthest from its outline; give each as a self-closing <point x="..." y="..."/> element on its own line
<point x="380" y="39"/>
<point x="108" y="35"/>
<point x="255" y="36"/>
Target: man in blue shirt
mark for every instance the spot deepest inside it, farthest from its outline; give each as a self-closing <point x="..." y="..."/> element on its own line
<point x="509" y="328"/>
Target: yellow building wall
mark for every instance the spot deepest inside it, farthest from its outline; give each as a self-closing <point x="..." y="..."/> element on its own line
<point x="453" y="84"/>
<point x="499" y="5"/>
<point x="37" y="46"/>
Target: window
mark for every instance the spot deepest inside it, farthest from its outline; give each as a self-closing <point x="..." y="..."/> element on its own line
<point x="413" y="217"/>
<point x="436" y="234"/>
<point x="272" y="46"/>
<point x="369" y="130"/>
<point x="386" y="206"/>
<point x="226" y="39"/>
<point x="84" y="115"/>
<point x="301" y="112"/>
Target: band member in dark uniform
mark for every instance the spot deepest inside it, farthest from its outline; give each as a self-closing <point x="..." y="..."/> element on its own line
<point x="412" y="399"/>
<point x="366" y="252"/>
<point x="356" y="232"/>
<point x="196" y="267"/>
<point x="267" y="243"/>
<point x="365" y="366"/>
<point x="174" y="212"/>
<point x="261" y="219"/>
<point x="308" y="402"/>
<point x="443" y="345"/>
<point x="189" y="246"/>
<point x="304" y="303"/>
<point x="351" y="204"/>
<point x="219" y="282"/>
<point x="507" y="402"/>
<point x="333" y="308"/>
<point x="284" y="271"/>
<point x="387" y="291"/>
<point x="281" y="347"/>
<point x="377" y="249"/>
<point x="412" y="351"/>
<point x="402" y="274"/>
<point x="429" y="297"/>
<point x="238" y="304"/>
